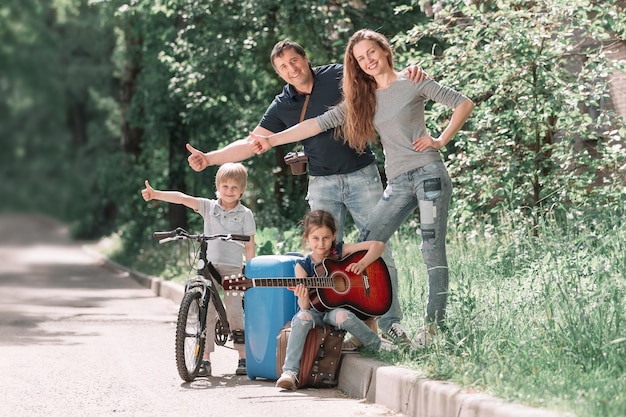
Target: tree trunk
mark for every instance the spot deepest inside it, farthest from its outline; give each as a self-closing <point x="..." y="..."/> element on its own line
<point x="131" y="136"/>
<point x="178" y="138"/>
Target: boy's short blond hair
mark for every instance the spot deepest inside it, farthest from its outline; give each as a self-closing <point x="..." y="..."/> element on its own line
<point x="232" y="171"/>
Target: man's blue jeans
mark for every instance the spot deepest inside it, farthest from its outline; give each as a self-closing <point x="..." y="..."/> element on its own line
<point x="358" y="193"/>
<point x="428" y="188"/>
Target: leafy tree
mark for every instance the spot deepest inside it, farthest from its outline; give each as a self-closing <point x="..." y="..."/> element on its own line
<point x="130" y="83"/>
<point x="541" y="138"/>
<point x="219" y="74"/>
<point x="56" y="113"/>
<point x="99" y="95"/>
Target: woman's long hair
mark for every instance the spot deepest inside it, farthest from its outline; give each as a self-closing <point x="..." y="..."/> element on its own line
<point x="359" y="91"/>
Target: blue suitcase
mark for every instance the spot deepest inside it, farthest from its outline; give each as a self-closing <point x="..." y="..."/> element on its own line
<point x="266" y="312"/>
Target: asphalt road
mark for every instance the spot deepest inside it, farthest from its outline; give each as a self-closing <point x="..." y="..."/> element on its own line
<point x="79" y="338"/>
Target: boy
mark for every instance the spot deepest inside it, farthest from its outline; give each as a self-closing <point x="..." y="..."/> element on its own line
<point x="224" y="215"/>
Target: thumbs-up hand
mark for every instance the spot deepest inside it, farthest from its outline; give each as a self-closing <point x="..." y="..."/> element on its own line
<point x="148" y="192"/>
<point x="196" y="160"/>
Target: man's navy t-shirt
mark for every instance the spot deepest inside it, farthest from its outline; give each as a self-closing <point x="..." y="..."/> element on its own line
<point x="327" y="154"/>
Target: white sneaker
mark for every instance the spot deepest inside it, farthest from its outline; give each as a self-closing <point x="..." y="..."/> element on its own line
<point x="397" y="335"/>
<point x="288" y="380"/>
<point x="424" y="337"/>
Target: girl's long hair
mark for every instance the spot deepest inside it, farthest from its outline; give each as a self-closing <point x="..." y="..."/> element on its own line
<point x="359" y="91"/>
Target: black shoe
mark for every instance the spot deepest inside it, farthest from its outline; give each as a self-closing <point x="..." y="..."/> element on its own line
<point x="241" y="367"/>
<point x="205" y="369"/>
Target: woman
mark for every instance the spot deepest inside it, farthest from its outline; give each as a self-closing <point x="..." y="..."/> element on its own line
<point x="379" y="100"/>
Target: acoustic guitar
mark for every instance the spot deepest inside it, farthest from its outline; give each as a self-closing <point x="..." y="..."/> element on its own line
<point x="367" y="294"/>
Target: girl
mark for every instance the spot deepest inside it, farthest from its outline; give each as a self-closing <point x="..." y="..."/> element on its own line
<point x="378" y="99"/>
<point x="319" y="235"/>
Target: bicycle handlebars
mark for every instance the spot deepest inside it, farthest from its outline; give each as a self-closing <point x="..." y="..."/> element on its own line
<point x="181" y="233"/>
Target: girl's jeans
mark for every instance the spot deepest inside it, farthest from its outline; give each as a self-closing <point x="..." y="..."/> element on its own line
<point x="305" y="320"/>
<point x="428" y="188"/>
<point x="358" y="193"/>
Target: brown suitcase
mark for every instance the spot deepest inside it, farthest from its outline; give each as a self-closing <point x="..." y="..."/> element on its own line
<point x="319" y="366"/>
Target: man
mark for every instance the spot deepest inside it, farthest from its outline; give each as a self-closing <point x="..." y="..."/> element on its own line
<point x="341" y="180"/>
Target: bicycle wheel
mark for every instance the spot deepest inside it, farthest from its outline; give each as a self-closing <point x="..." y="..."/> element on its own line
<point x="189" y="336"/>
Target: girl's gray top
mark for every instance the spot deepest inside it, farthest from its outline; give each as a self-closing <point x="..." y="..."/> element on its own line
<point x="399" y="120"/>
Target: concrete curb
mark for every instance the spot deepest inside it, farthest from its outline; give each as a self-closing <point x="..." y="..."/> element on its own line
<point x="394" y="387"/>
<point x="407" y="391"/>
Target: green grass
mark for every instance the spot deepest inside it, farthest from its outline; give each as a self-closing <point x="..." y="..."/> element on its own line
<point x="536" y="320"/>
<point x="535" y="316"/>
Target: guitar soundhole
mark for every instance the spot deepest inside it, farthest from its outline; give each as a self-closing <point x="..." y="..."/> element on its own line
<point x="340" y="283"/>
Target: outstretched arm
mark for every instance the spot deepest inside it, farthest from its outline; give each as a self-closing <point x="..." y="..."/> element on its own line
<point x="175" y="197"/>
<point x="233" y="152"/>
<point x="303" y="130"/>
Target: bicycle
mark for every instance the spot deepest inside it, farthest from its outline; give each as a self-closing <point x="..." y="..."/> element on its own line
<point x="192" y="314"/>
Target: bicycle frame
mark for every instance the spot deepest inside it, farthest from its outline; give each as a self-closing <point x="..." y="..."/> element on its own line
<point x="210" y="293"/>
<point x="200" y="290"/>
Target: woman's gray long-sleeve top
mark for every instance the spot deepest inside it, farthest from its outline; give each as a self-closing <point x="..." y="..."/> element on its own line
<point x="399" y="120"/>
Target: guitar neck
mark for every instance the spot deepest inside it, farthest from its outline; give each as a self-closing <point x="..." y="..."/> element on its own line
<point x="367" y="294"/>
<point x="309" y="282"/>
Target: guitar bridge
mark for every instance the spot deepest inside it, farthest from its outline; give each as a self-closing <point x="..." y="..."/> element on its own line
<point x="366" y="284"/>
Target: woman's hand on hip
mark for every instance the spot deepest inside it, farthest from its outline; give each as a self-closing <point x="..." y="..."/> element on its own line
<point x="425" y="142"/>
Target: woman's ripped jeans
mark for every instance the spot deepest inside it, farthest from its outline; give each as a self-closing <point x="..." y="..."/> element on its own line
<point x="428" y="189"/>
